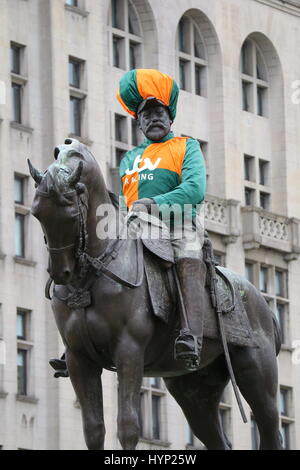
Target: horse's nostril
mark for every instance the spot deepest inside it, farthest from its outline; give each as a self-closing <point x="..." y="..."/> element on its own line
<point x="68" y="141"/>
<point x="56" y="152"/>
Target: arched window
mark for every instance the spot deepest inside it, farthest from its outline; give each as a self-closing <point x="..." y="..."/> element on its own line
<point x="254" y="79"/>
<point x="192" y="60"/>
<point x="125" y="35"/>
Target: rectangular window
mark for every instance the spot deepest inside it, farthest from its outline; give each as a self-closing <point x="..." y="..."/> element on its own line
<point x="261" y="101"/>
<point x="184" y="36"/>
<point x="136" y="134"/>
<point x="249" y="168"/>
<point x="249" y="197"/>
<point x="263" y="279"/>
<point x="280" y="312"/>
<point x="21" y="324"/>
<point x="254" y="435"/>
<point x="249" y="272"/>
<point x="264" y="200"/>
<point x="74" y="73"/>
<point x="20" y="235"/>
<point x="198" y="79"/>
<point x="17" y="102"/>
<point x="121" y="128"/>
<point x="155" y="417"/>
<point x="285" y="433"/>
<point x="183" y="64"/>
<point x="15" y="59"/>
<point x="19" y="190"/>
<point x="72" y="3"/>
<point x="263" y="172"/>
<point x="134" y="52"/>
<point x="246" y="59"/>
<point x="118" y="52"/>
<point x="284" y="408"/>
<point x="75" y="115"/>
<point x="280" y="290"/>
<point x="22" y="371"/>
<point x="119" y="155"/>
<point x="247" y="96"/>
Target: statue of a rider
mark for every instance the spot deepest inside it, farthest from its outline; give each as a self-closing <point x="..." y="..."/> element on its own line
<point x="167" y="174"/>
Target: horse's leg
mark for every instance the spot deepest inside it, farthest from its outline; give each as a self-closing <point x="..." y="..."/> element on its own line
<point x="199" y="395"/>
<point x="85" y="376"/>
<point x="256" y="375"/>
<point x="130" y="363"/>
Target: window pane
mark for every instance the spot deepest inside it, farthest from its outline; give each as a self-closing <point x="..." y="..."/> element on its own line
<point x="155" y="417"/>
<point x="263" y="172"/>
<point x="247" y="98"/>
<point x="279" y="284"/>
<point x="154" y="382"/>
<point x="119" y="155"/>
<point x="19" y="235"/>
<point x="284" y="402"/>
<point x="199" y="50"/>
<point x="142" y="415"/>
<point x="261" y="71"/>
<point x="285" y="432"/>
<point x="254" y="435"/>
<point x="264" y="200"/>
<point x="72" y="3"/>
<point x="19" y="190"/>
<point x="249" y="197"/>
<point x="15" y="59"/>
<point x="280" y="312"/>
<point x="21" y="365"/>
<point x="249" y="272"/>
<point x="190" y="439"/>
<point x="74" y="73"/>
<point x="249" y="170"/>
<point x="21" y="325"/>
<point x="134" y="52"/>
<point x="117" y="14"/>
<point x="261" y="101"/>
<point x="121" y="128"/>
<point x="198" y="79"/>
<point x="133" y="22"/>
<point x="183" y="69"/>
<point x="263" y="279"/>
<point x="118" y="52"/>
<point x="136" y="133"/>
<point x="184" y="35"/>
<point x="75" y="116"/>
<point x="246" y="58"/>
<point x="16" y="97"/>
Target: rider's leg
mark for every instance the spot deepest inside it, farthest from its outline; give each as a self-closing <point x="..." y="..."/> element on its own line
<point x="191" y="272"/>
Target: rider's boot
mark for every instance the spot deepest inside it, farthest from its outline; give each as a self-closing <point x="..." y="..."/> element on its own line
<point x="191" y="274"/>
<point x="60" y="366"/>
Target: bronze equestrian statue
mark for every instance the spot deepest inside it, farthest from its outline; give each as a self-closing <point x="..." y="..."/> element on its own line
<point x="105" y="302"/>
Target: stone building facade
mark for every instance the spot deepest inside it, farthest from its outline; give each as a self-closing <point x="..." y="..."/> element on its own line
<point x="238" y="66"/>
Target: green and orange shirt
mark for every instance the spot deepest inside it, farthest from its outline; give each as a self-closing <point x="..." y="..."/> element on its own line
<point x="171" y="171"/>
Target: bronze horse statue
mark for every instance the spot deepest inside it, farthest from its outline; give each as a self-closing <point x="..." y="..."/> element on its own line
<point x="113" y="324"/>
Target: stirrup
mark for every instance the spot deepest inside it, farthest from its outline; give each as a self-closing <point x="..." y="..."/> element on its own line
<point x="187" y="349"/>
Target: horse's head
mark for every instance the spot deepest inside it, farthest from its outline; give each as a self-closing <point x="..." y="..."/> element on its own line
<point x="60" y="205"/>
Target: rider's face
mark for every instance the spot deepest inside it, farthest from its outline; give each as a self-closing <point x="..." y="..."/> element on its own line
<point x="155" y="122"/>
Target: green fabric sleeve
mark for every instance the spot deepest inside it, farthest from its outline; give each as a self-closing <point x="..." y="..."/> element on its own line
<point x="193" y="179"/>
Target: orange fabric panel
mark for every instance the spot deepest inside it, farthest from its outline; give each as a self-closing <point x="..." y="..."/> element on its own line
<point x="151" y="82"/>
<point x="130" y="188"/>
<point x="168" y="155"/>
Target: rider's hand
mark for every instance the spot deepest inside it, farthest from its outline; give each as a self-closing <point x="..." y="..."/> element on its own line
<point x="143" y="205"/>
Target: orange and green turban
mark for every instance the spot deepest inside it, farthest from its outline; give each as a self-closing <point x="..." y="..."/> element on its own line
<point x="139" y="85"/>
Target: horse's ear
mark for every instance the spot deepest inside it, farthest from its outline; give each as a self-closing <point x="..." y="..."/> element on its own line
<point x="36" y="175"/>
<point x="75" y="175"/>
